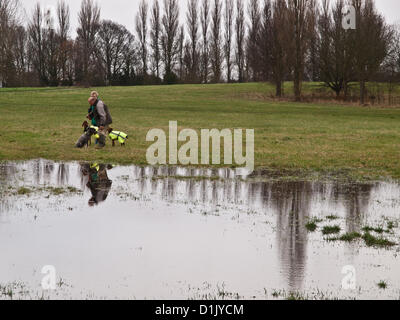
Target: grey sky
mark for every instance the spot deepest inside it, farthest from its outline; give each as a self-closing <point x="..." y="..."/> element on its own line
<point x="124" y="11"/>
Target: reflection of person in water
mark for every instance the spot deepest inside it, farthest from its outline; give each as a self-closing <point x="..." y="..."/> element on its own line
<point x="98" y="183"/>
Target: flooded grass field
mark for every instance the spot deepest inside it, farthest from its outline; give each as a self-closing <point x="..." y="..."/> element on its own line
<point x="180" y="233"/>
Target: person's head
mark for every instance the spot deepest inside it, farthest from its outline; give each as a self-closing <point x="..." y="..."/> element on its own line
<point x="110" y="130"/>
<point x="94" y="94"/>
<point x="92" y="100"/>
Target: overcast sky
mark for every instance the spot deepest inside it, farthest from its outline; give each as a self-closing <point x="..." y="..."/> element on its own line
<point x="124" y="11"/>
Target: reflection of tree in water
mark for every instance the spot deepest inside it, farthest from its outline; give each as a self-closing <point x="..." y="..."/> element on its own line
<point x="36" y="171"/>
<point x="154" y="182"/>
<point x="48" y="168"/>
<point x="8" y="172"/>
<point x="63" y="174"/>
<point x="356" y="198"/>
<point x="141" y="174"/>
<point x="203" y="187"/>
<point x="293" y="204"/>
<point x="168" y="185"/>
<point x="97" y="181"/>
<point x="42" y="171"/>
<point x="292" y="201"/>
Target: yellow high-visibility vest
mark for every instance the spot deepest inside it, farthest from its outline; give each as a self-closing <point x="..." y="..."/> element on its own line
<point x="97" y="136"/>
<point x="118" y="135"/>
<point x="95" y="166"/>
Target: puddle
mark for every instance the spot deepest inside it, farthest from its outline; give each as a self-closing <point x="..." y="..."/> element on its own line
<point x="181" y="233"/>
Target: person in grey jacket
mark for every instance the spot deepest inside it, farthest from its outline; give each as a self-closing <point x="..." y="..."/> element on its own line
<point x="103" y="119"/>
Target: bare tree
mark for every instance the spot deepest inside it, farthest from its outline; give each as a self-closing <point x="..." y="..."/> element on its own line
<point x="391" y="65"/>
<point x="63" y="17"/>
<point x="229" y="17"/>
<point x="8" y="25"/>
<point x="181" y="52"/>
<point x="170" y="38"/>
<point x="253" y="40"/>
<point x="205" y="23"/>
<point x="240" y="29"/>
<point x="155" y="35"/>
<point x="279" y="44"/>
<point x="300" y="17"/>
<point x="20" y="52"/>
<point x="70" y="72"/>
<point x="141" y="30"/>
<point x="216" y="41"/>
<point x="44" y="46"/>
<point x="264" y="42"/>
<point x="51" y="49"/>
<point x="89" y="23"/>
<point x="112" y="43"/>
<point x="192" y="18"/>
<point x="333" y="49"/>
<point x="37" y="43"/>
<point x="372" y="39"/>
<point x="131" y="60"/>
<point x="312" y="63"/>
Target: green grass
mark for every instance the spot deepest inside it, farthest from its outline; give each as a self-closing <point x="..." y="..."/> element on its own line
<point x="382" y="285"/>
<point x="391" y="225"/>
<point x="51" y="190"/>
<point x="369" y="229"/>
<point x="372" y="236"/>
<point x="59" y="191"/>
<point x="332" y="217"/>
<point x="323" y="137"/>
<point x="312" y="225"/>
<point x="372" y="241"/>
<point x="330" y="230"/>
<point x="24" y="191"/>
<point x="349" y="237"/>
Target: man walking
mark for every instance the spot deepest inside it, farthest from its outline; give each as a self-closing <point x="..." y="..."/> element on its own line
<point x="103" y="119"/>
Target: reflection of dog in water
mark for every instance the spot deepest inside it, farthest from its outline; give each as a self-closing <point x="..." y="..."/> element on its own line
<point x="86" y="138"/>
<point x="98" y="181"/>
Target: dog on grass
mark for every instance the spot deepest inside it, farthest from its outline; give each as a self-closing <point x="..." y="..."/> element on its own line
<point x="86" y="137"/>
<point x="119" y="136"/>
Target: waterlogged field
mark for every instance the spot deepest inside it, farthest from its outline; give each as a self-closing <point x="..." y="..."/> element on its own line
<point x="324" y="137"/>
<point x="135" y="232"/>
<point x="318" y="219"/>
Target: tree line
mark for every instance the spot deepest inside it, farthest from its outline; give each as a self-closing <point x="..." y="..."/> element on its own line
<point x="217" y="41"/>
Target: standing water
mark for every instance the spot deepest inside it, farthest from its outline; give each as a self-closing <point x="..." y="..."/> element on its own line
<point x="181" y="233"/>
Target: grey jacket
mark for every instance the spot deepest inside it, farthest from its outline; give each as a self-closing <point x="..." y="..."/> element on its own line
<point x="102" y="114"/>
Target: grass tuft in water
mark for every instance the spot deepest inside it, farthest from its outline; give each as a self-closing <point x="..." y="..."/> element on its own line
<point x="350" y="236"/>
<point x="296" y="296"/>
<point x="391" y="225"/>
<point x="369" y="229"/>
<point x="332" y="217"/>
<point x="330" y="230"/>
<point x="372" y="241"/>
<point x="312" y="225"/>
<point x="56" y="191"/>
<point x="24" y="191"/>
<point x="382" y="285"/>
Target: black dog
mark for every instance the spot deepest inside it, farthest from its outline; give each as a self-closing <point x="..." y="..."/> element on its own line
<point x="86" y="128"/>
<point x="86" y="138"/>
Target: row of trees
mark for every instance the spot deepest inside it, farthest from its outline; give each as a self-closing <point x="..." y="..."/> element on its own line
<point x="220" y="40"/>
